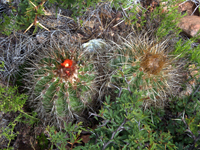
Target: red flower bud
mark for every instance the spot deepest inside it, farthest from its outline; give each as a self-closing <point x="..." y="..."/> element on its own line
<point x="67" y="63"/>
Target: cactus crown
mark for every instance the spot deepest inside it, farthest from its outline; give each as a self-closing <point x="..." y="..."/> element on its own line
<point x="153" y="63"/>
<point x="67" y="70"/>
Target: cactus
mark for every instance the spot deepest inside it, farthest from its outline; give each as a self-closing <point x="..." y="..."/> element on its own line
<point x="145" y="62"/>
<point x="63" y="86"/>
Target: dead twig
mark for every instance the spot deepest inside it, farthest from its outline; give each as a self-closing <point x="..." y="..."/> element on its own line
<point x="119" y="129"/>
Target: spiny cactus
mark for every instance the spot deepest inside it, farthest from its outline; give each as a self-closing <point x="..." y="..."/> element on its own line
<point x="63" y="85"/>
<point x="145" y="62"/>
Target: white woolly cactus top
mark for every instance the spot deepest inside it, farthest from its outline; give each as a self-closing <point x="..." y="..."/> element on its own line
<point x="94" y="45"/>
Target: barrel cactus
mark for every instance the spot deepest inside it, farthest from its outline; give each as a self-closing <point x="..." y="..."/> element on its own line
<point x="63" y="85"/>
<point x="144" y="62"/>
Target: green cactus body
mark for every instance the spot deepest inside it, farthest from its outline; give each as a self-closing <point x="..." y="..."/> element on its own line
<point x="64" y="87"/>
<point x="146" y="65"/>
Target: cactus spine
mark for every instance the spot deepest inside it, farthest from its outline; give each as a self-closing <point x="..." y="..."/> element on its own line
<point x="64" y="85"/>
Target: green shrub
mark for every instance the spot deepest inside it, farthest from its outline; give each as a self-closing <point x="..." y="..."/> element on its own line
<point x="12" y="101"/>
<point x="127" y="126"/>
<point x="70" y="136"/>
<point x="181" y="119"/>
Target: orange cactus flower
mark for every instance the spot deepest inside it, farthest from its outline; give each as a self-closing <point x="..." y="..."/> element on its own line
<point x="67" y="63"/>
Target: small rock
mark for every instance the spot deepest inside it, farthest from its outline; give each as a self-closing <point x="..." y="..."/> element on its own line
<point x="190" y="25"/>
<point x="188" y="7"/>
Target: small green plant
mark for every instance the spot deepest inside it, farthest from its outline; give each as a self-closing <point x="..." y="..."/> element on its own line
<point x="134" y="20"/>
<point x="8" y="25"/>
<point x="2" y="65"/>
<point x="12" y="101"/>
<point x="8" y="131"/>
<point x="30" y="13"/>
<point x="78" y="7"/>
<point x="69" y="137"/>
<point x="27" y="16"/>
<point x="42" y="141"/>
<point x="184" y="48"/>
<point x="165" y="19"/>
